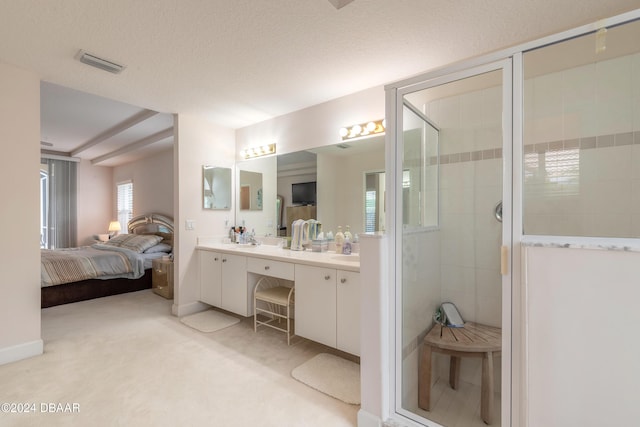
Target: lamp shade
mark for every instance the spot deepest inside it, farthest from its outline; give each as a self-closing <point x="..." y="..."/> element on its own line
<point x="114" y="226"/>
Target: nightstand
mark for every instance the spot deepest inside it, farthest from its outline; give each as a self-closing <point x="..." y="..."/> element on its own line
<point x="162" y="278"/>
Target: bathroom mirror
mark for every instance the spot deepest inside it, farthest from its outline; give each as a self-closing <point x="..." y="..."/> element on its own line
<point x="339" y="171"/>
<point x="250" y="194"/>
<point x="216" y="188"/>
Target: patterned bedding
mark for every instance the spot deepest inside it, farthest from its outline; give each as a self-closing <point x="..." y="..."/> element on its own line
<point x="89" y="262"/>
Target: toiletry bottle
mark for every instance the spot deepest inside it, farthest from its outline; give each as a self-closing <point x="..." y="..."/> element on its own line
<point x="346" y="245"/>
<point x="355" y="245"/>
<point x="339" y="240"/>
<point x="232" y="235"/>
<point x="347" y="233"/>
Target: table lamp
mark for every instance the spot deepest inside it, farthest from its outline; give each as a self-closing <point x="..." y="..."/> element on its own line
<point x="114" y="228"/>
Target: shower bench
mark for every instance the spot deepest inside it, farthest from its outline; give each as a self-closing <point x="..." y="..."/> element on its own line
<point x="472" y="340"/>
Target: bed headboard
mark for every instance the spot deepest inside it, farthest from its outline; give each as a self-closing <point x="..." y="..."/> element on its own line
<point x="152" y="224"/>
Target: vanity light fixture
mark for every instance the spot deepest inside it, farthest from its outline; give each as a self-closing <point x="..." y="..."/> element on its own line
<point x="363" y="129"/>
<point x="263" y="150"/>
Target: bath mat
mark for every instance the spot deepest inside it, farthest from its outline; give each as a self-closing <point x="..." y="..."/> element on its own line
<point x="209" y="321"/>
<point x="331" y="375"/>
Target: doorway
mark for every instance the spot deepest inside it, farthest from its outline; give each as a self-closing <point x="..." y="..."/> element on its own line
<point x="452" y="233"/>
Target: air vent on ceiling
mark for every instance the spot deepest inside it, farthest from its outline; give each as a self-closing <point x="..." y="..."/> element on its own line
<point x="338" y="4"/>
<point x="96" y="61"/>
<point x="343" y="146"/>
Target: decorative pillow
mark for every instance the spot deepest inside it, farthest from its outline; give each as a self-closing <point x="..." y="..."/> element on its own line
<point x="160" y="247"/>
<point x="118" y="240"/>
<point x="134" y="242"/>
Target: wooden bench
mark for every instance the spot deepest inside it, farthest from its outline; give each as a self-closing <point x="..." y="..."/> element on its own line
<point x="473" y="340"/>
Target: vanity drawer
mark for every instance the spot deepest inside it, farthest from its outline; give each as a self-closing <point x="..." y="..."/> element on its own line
<point x="267" y="267"/>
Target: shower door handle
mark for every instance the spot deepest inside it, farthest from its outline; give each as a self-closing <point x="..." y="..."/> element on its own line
<point x="504" y="260"/>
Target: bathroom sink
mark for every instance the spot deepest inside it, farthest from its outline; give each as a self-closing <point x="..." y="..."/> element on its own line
<point x="348" y="258"/>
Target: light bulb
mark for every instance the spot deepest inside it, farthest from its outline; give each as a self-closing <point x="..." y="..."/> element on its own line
<point x="344" y="132"/>
<point x="371" y="126"/>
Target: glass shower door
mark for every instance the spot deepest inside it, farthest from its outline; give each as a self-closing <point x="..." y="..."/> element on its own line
<point x="450" y="240"/>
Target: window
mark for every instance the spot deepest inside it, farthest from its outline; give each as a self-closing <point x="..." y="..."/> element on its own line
<point x="58" y="211"/>
<point x="125" y="204"/>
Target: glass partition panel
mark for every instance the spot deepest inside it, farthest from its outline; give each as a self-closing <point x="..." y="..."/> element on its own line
<point x="452" y="141"/>
<point x="582" y="135"/>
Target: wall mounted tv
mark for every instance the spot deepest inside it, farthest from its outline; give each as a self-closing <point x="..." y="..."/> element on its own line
<point x="303" y="193"/>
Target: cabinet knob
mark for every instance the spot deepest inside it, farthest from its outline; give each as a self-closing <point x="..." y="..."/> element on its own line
<point x="343" y="280"/>
<point x="224" y="260"/>
<point x="215" y="259"/>
<point x="266" y="267"/>
<point x="327" y="277"/>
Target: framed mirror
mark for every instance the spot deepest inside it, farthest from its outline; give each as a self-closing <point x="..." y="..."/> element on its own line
<point x="216" y="188"/>
<point x="250" y="196"/>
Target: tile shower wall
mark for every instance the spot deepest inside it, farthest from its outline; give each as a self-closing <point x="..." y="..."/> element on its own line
<point x="469" y="236"/>
<point x="582" y="150"/>
<point x="470" y="188"/>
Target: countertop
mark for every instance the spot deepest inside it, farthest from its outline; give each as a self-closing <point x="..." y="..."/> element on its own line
<point x="319" y="259"/>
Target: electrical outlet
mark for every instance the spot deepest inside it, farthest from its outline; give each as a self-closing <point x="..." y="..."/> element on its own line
<point x="190" y="224"/>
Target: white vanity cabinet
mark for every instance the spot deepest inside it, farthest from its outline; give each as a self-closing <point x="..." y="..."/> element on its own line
<point x="328" y="306"/>
<point x="223" y="282"/>
<point x="210" y="264"/>
<point x="236" y="296"/>
<point x="348" y="311"/>
<point x="315" y="307"/>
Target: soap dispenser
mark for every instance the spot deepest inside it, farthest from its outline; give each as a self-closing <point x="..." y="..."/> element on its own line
<point x="339" y="240"/>
<point x="346" y="246"/>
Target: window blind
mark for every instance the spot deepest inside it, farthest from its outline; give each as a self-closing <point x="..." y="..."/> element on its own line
<point x="125" y="204"/>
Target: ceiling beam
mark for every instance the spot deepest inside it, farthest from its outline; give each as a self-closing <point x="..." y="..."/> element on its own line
<point x="119" y="128"/>
<point x="158" y="136"/>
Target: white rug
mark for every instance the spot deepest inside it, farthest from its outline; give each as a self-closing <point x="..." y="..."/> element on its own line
<point x="332" y="375"/>
<point x="209" y="321"/>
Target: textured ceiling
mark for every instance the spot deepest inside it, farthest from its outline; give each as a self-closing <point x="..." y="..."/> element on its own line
<point x="243" y="61"/>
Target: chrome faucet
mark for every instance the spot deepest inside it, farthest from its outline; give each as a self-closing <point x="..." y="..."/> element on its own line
<point x="252" y="239"/>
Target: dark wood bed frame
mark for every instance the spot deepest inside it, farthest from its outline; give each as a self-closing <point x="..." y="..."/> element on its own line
<point x="93" y="288"/>
<point x="96" y="288"/>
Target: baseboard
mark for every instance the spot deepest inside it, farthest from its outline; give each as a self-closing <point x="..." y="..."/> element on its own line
<point x="367" y="419"/>
<point x="21" y="351"/>
<point x="187" y="309"/>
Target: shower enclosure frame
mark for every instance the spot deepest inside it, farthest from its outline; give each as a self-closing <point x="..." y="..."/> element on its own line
<point x="515" y="408"/>
<point x="395" y="104"/>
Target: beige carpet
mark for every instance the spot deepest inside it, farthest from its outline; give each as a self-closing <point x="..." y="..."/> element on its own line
<point x="332" y="375"/>
<point x="209" y="321"/>
<point x="128" y="362"/>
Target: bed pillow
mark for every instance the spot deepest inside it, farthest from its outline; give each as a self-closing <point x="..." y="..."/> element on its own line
<point x="134" y="242"/>
<point x="160" y="247"/>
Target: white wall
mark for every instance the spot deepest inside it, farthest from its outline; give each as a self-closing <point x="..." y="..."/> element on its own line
<point x="19" y="187"/>
<point x="197" y="143"/>
<point x="583" y="353"/>
<point x="152" y="179"/>
<point x="95" y="201"/>
<point x="315" y="126"/>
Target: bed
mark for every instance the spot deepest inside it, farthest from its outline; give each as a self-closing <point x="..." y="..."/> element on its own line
<point x="122" y="264"/>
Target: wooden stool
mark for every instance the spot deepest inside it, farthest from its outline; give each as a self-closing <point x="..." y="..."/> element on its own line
<point x="473" y="340"/>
